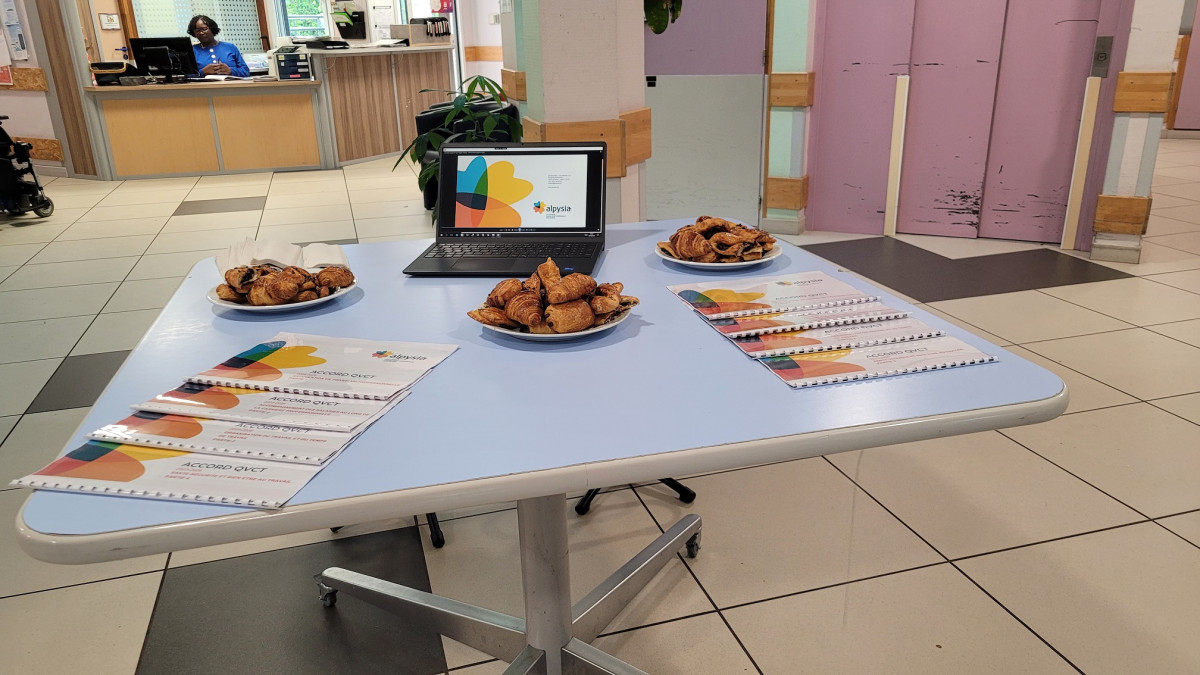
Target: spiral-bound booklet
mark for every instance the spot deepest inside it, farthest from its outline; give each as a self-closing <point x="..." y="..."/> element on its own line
<point x="254" y="440"/>
<point x="764" y="295"/>
<point x="779" y="322"/>
<point x="836" y="337"/>
<point x="326" y="366"/>
<point x="237" y="404"/>
<point x="175" y="475"/>
<point x="847" y="365"/>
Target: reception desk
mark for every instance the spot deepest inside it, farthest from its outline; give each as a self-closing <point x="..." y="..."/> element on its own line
<point x="360" y="105"/>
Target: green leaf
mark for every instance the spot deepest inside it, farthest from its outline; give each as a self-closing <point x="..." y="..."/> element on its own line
<point x="489" y="125"/>
<point x="657" y="16"/>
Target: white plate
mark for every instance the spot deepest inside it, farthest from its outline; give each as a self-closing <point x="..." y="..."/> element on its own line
<point x="290" y="307"/>
<point x="559" y="337"/>
<point x="767" y="257"/>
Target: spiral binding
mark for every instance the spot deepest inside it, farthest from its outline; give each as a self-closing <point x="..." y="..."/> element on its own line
<point x="283" y="390"/>
<point x="99" y="435"/>
<point x="851" y="377"/>
<point x="127" y="492"/>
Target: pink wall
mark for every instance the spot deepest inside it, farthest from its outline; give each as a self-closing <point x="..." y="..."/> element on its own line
<point x="711" y="38"/>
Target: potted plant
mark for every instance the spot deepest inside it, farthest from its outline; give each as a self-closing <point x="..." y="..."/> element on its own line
<point x="660" y="13"/>
<point x="479" y="111"/>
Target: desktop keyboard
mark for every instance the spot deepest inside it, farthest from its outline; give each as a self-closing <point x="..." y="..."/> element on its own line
<point x="514" y="250"/>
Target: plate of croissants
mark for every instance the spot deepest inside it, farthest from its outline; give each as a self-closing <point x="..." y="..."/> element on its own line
<point x="551" y="307"/>
<point x="266" y="288"/>
<point x="716" y="243"/>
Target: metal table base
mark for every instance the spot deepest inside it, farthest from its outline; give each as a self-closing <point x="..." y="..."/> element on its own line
<point x="553" y="637"/>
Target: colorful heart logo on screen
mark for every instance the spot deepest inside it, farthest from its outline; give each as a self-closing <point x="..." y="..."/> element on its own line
<point x="539" y="207"/>
<point x="106" y="461"/>
<point x="265" y="361"/>
<point x="486" y="194"/>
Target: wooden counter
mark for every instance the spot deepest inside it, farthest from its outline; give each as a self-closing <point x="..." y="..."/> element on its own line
<point x="209" y="127"/>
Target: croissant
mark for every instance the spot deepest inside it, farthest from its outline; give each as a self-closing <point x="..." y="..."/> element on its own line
<point x="525" y="308"/>
<point x="273" y="289"/>
<point x="305" y="296"/>
<point x="690" y="244"/>
<point x="667" y="249"/>
<point x="335" y="277"/>
<point x="226" y="293"/>
<point x="548" y="272"/>
<point x="492" y="316"/>
<point x="239" y="278"/>
<point x="606" y="299"/>
<point x="297" y="274"/>
<point x="568" y="288"/>
<point x="727" y="243"/>
<point x="709" y="226"/>
<point x="569" y="317"/>
<point x="533" y="283"/>
<point x="503" y="292"/>
<point x="541" y="329"/>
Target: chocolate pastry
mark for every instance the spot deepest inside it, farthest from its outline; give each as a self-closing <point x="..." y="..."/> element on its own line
<point x="569" y="317"/>
<point x="568" y="288"/>
<point x="335" y="277"/>
<point x="239" y="278"/>
<point x="667" y="249"/>
<point x="525" y="308"/>
<point x="503" y="292"/>
<point x="606" y="299"/>
<point x="226" y="293"/>
<point x="541" y="329"/>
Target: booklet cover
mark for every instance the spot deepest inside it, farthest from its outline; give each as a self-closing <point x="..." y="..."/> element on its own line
<point x="219" y="437"/>
<point x="175" y="475"/>
<point x="836" y="337"/>
<point x="846" y="365"/>
<point x="237" y="404"/>
<point x="778" y="322"/>
<point x="325" y="366"/>
<point x="763" y="295"/>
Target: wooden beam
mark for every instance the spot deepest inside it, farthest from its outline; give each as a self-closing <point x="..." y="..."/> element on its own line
<point x="66" y="86"/>
<point x="791" y="89"/>
<point x="1143" y="92"/>
<point x="1121" y="214"/>
<point x="1180" y="49"/>
<point x="611" y="132"/>
<point x="786" y="193"/>
<point x="1185" y="42"/>
<point x="513" y="82"/>
<point x="484" y="53"/>
<point x="637" y="135"/>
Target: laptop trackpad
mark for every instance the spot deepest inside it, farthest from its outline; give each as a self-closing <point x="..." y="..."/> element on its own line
<point x="484" y="265"/>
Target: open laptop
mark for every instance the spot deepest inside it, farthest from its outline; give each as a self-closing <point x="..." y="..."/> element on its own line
<point x="504" y="208"/>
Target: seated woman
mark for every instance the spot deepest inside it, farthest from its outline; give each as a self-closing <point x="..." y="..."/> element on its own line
<point x="212" y="57"/>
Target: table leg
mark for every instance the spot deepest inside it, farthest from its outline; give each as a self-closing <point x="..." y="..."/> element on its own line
<point x="546" y="576"/>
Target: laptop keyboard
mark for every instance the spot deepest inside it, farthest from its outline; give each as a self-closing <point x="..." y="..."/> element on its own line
<point x="513" y="250"/>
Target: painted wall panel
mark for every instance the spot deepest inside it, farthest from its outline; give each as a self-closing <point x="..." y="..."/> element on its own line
<point x="955" y="60"/>
<point x="711" y="164"/>
<point x="861" y="46"/>
<point x="789" y="44"/>
<point x="1039" y="96"/>
<point x="1188" y="114"/>
<point x="711" y="38"/>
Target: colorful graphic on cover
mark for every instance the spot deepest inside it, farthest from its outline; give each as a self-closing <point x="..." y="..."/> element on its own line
<point x="721" y="300"/>
<point x="537" y="191"/>
<point x="821" y="364"/>
<point x="160" y="424"/>
<point x="264" y="362"/>
<point x="98" y="460"/>
<point x="206" y="396"/>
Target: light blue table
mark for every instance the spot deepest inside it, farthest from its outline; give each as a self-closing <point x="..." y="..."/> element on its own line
<point x="500" y="420"/>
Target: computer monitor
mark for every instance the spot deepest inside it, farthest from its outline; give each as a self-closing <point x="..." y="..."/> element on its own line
<point x="166" y="56"/>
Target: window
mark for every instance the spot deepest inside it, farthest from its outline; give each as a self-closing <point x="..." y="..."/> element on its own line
<point x="302" y="18"/>
<point x="238" y="19"/>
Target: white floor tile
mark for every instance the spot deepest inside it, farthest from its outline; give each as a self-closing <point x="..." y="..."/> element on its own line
<point x="961" y="247"/>
<point x="6" y="425"/>
<point x="869" y="627"/>
<point x="121" y="197"/>
<point x="115" y="332"/>
<point x="809" y="237"/>
<point x="23" y="380"/>
<point x="212" y="221"/>
<point x="395" y="237"/>
<point x="701" y="644"/>
<point x="36" y="441"/>
<point x="1187" y="172"/>
<point x="306" y="176"/>
<point x="1189" y="190"/>
<point x="305" y="214"/>
<point x="67" y="200"/>
<point x="157" y="184"/>
<point x="234" y="179"/>
<point x="18" y="254"/>
<point x="1188" y="280"/>
<point x="81" y="185"/>
<point x="1160" y="180"/>
<point x="96" y="628"/>
<point x="1188" y="242"/>
<point x="73" y="273"/>
<point x="392" y="193"/>
<point x="1184" y="331"/>
<point x="49" y="303"/>
<point x="1120" y="601"/>
<point x="1137" y="301"/>
<point x="42" y="339"/>
<point x="408" y="207"/>
<point x="325" y="186"/>
<point x="330" y="198"/>
<point x="1026" y="316"/>
<point x="113" y="228"/>
<point x="159" y="210"/>
<point x="1163" y="201"/>
<point x="229" y="191"/>
<point x="394" y="225"/>
<point x="974" y="330"/>
<point x="143" y="294"/>
<point x="7" y="270"/>
<point x="401" y="179"/>
<point x="168" y="264"/>
<point x="1138" y="362"/>
<point x="1155" y="259"/>
<point x="1086" y="393"/>
<point x="223" y="551"/>
<point x="306" y="232"/>
<point x="178" y="242"/>
<point x="1186" y="406"/>
<point x="1171" y="221"/>
<point x="91" y="249"/>
<point x="31" y="232"/>
<point x="1139" y="454"/>
<point x="1186" y="526"/>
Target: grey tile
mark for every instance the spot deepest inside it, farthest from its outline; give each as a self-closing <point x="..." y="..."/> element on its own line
<point x="220" y="205"/>
<point x="262" y="609"/>
<point x="37" y="440"/>
<point x="78" y="381"/>
<point x="21" y="383"/>
<point x="41" y="339"/>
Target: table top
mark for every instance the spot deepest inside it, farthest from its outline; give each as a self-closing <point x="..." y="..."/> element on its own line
<point x="178" y="88"/>
<point x="661" y="394"/>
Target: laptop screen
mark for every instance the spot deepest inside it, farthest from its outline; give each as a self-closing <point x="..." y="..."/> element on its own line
<point x="528" y="189"/>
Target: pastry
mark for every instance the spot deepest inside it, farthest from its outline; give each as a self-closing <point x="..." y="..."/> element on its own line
<point x="716" y="240"/>
<point x="606" y="299"/>
<point x="569" y="317"/>
<point x="525" y="308"/>
<point x="503" y="292"/>
<point x="335" y="277"/>
<point x="667" y="249"/>
<point x="305" y="296"/>
<point x="273" y="289"/>
<point x="239" y="278"/>
<point x="226" y="293"/>
<point x="690" y="244"/>
<point x="533" y="283"/>
<point x="568" y="288"/>
<point x="492" y="316"/>
<point x="548" y="272"/>
<point x="541" y="329"/>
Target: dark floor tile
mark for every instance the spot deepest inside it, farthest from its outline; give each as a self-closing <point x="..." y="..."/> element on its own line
<point x="78" y="381"/>
<point x="929" y="277"/>
<point x="260" y="613"/>
<point x="221" y="205"/>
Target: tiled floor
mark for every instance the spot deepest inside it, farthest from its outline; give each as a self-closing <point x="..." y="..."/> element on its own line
<point x="1072" y="545"/>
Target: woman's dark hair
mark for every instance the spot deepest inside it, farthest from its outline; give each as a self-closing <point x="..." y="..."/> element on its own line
<point x="212" y="25"/>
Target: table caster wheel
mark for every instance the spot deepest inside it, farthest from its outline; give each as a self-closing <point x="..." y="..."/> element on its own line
<point x="327" y="595"/>
<point x="693" y="546"/>
<point x="437" y="539"/>
<point x="582" y="508"/>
